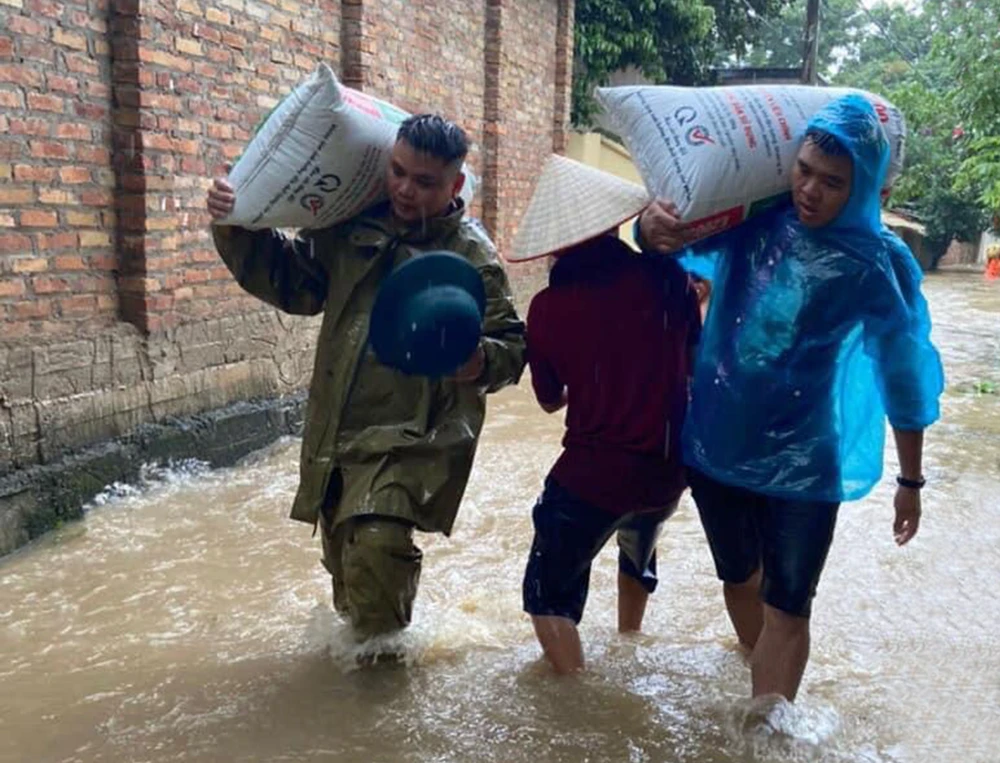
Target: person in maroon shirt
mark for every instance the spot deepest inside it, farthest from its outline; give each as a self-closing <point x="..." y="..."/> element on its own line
<point x="611" y="340"/>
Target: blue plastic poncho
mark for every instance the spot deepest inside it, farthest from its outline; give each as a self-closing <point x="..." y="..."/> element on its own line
<point x="812" y="338"/>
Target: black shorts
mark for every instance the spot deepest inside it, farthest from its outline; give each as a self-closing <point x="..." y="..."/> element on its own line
<point x="789" y="539"/>
<point x="569" y="533"/>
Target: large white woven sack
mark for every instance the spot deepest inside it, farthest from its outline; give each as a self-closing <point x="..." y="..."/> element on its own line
<point x="723" y="154"/>
<point x="318" y="158"/>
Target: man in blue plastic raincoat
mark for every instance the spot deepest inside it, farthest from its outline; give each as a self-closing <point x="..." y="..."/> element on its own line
<point x="817" y="330"/>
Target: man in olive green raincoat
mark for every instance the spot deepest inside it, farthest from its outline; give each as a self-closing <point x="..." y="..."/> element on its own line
<point x="384" y="453"/>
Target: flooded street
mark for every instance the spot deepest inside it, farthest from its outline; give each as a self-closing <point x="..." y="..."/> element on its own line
<point x="187" y="619"/>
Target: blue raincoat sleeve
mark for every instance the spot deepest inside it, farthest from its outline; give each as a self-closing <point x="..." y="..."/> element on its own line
<point x="700" y="259"/>
<point x="909" y="374"/>
<point x="815" y="335"/>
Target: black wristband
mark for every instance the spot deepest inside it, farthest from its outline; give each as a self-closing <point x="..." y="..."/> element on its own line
<point x="912" y="484"/>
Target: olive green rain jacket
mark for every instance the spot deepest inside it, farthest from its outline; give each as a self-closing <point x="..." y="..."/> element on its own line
<point x="393" y="444"/>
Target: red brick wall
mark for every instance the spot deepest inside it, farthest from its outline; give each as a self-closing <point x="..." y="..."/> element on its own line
<point x="114" y="114"/>
<point x="526" y="115"/>
<point x="56" y="217"/>
<point x="424" y="59"/>
<point x="208" y="72"/>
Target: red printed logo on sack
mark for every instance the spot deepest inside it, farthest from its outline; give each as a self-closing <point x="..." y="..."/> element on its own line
<point x="699" y="136"/>
<point x="313" y="201"/>
<point x="882" y="111"/>
<point x="709" y="226"/>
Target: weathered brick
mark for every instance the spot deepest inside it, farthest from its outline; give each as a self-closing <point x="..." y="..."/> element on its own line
<point x="219" y="55"/>
<point x="100" y="197"/>
<point x="38" y="218"/>
<point x="218" y="16"/>
<point x="44" y="102"/>
<point x="49" y="242"/>
<point x="35" y="127"/>
<point x="92" y="111"/>
<point x="80" y="219"/>
<point x="10" y="197"/>
<point x="74" y="175"/>
<point x="25" y="27"/>
<point x="205" y="32"/>
<point x="49" y="8"/>
<point x="90" y="239"/>
<point x="168" y="60"/>
<point x="16" y="243"/>
<point x="41" y="149"/>
<point x="71" y="40"/>
<point x="81" y="64"/>
<point x="30" y="173"/>
<point x="93" y="155"/>
<point x="87" y="20"/>
<point x="37" y="51"/>
<point x="11" y="99"/>
<point x="74" y="131"/>
<point x="61" y="84"/>
<point x="189" y="126"/>
<point x="50" y="285"/>
<point x="69" y="262"/>
<point x="161" y="101"/>
<point x="39" y="308"/>
<point x="11" y="288"/>
<point x="97" y="89"/>
<point x="188" y="47"/>
<point x="18" y="74"/>
<point x="189" y="6"/>
<point x="234" y="40"/>
<point x="56" y="196"/>
<point x="81" y="305"/>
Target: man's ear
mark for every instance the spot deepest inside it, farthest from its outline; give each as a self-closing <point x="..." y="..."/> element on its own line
<point x="459" y="185"/>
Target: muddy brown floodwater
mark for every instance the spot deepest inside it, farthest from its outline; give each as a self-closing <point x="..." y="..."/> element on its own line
<point x="186" y="619"/>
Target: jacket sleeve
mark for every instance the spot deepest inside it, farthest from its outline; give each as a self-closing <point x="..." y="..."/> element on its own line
<point x="503" y="331"/>
<point x="908" y="368"/>
<point x="544" y="378"/>
<point x="279" y="270"/>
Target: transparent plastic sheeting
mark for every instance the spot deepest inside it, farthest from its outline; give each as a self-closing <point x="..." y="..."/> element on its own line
<point x="812" y="337"/>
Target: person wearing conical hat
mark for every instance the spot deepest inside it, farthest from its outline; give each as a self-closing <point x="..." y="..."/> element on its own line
<point x="609" y="341"/>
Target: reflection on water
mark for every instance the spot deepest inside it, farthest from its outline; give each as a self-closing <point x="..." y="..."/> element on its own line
<point x="187" y="619"/>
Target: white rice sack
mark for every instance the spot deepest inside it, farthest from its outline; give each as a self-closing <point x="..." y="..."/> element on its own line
<point x="318" y="158"/>
<point x="723" y="154"/>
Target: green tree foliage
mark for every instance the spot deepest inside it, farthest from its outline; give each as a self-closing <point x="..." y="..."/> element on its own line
<point x="667" y="40"/>
<point x="938" y="61"/>
<point x="780" y="40"/>
<point x="968" y="39"/>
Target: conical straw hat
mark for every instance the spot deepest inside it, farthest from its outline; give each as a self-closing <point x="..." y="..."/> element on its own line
<point x="573" y="203"/>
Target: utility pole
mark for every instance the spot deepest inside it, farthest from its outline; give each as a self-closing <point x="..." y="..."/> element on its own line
<point x="811" y="48"/>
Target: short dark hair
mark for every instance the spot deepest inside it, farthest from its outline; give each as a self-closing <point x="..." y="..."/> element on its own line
<point x="827" y="142"/>
<point x="434" y="135"/>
